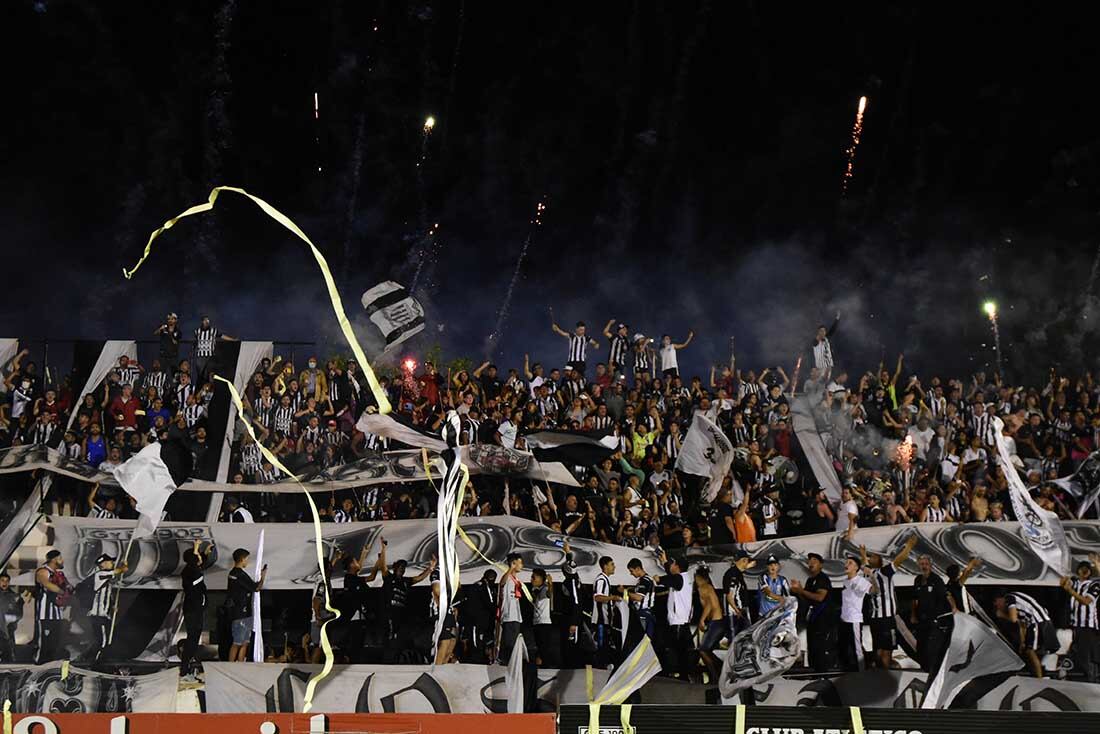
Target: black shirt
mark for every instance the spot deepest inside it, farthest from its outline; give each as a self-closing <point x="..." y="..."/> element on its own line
<point x="931" y="597"/>
<point x="719" y="533"/>
<point x="241" y="587"/>
<point x="396" y="590"/>
<point x="733" y="583"/>
<point x="818" y="611"/>
<point x="170" y="346"/>
<point x="194" y="589"/>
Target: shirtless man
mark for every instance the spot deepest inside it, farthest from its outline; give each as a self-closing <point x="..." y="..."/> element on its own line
<point x="712" y="623"/>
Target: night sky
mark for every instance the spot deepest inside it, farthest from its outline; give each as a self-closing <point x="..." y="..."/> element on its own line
<point x="690" y="155"/>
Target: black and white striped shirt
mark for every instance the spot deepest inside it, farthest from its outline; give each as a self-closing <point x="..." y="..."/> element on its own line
<point x="251" y="459"/>
<point x="1084" y="615"/>
<point x="376" y="443"/>
<point x="129" y="375"/>
<point x="470" y="429"/>
<point x="334" y="438"/>
<point x="341" y="517"/>
<point x="311" y="434"/>
<point x="101" y="601"/>
<point x="884" y="604"/>
<point x="264" y="411"/>
<point x="578" y="346"/>
<point x="641" y="359"/>
<point x="158" y="379"/>
<point x="284" y="419"/>
<point x="182" y="393"/>
<point x="646" y="589"/>
<point x="204" y="341"/>
<point x="954" y="507"/>
<point x="672" y="445"/>
<point x="193" y="414"/>
<point x="98" y="513"/>
<point x="45" y="603"/>
<point x="739" y="435"/>
<point x="43" y="432"/>
<point x="935" y="514"/>
<point x="601" y="611"/>
<point x="619" y="348"/>
<point x="602" y="422"/>
<point x="372" y="503"/>
<point x="1029" y="611"/>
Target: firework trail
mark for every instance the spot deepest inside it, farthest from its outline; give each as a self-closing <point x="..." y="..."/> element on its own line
<point x="425" y="248"/>
<point x="502" y="315"/>
<point x="991" y="312"/>
<point x="857" y="131"/>
<point x="317" y="129"/>
<point x="218" y="131"/>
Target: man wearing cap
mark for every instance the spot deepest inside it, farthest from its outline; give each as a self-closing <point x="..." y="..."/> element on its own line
<point x="679" y="645"/>
<point x="735" y="593"/>
<point x="773" y="587"/>
<point x="820" y="624"/>
<point x="50" y="590"/>
<point x="883" y="601"/>
<point x="99" y="615"/>
<point x="619" y="346"/>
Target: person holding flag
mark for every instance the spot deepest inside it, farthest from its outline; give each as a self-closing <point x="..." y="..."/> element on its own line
<point x="241" y="587"/>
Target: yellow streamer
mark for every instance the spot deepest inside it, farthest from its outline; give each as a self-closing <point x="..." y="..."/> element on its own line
<point x="593" y="718"/>
<point x="333" y="294"/>
<point x="7" y="716"/>
<point x="857" y="720"/>
<point x="326" y="646"/>
<point x="739" y="719"/>
<point x="624" y="719"/>
<point x="627" y="685"/>
<point x="588" y="685"/>
<point x="64" y="669"/>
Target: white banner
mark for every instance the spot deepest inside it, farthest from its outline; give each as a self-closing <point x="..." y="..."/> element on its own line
<point x="157" y="561"/>
<point x="108" y="360"/>
<point x="975" y="650"/>
<point x="252" y="353"/>
<point x="8" y="349"/>
<point x="706" y="453"/>
<point x="257" y="620"/>
<point x="445" y="689"/>
<point x="37" y="689"/>
<point x="805" y="429"/>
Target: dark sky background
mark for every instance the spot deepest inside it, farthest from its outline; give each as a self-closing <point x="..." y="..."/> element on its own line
<point x="690" y="155"/>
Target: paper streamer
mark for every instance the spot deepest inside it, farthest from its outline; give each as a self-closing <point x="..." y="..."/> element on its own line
<point x="631" y="679"/>
<point x="326" y="646"/>
<point x="7" y="716"/>
<point x="857" y="720"/>
<point x="588" y="683"/>
<point x="333" y="294"/>
<point x="624" y="718"/>
<point x="64" y="669"/>
<point x="739" y="719"/>
<point x="594" y="718"/>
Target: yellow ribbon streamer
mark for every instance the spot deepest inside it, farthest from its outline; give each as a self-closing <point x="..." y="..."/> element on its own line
<point x="326" y="646"/>
<point x="64" y="669"/>
<point x="7" y="716"/>
<point x="333" y="294"/>
<point x="739" y="719"/>
<point x="625" y="686"/>
<point x="624" y="718"/>
<point x="857" y="720"/>
<point x="593" y="718"/>
<point x="588" y="684"/>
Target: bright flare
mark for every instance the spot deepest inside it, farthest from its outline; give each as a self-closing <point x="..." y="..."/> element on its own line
<point x="410" y="365"/>
<point x="862" y="104"/>
<point x="990" y="309"/>
<point x="857" y="132"/>
<point x="429" y="123"/>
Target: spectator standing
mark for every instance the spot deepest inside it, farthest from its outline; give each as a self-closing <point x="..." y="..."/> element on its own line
<point x="930" y="612"/>
<point x="170" y="336"/>
<point x="11" y="611"/>
<point x="773" y="587"/>
<point x="856" y="586"/>
<point x="821" y="629"/>
<point x="194" y="605"/>
<point x="1083" y="592"/>
<point x="241" y="587"/>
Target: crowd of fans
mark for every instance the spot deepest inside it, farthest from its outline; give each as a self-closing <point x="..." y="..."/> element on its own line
<point x="905" y="450"/>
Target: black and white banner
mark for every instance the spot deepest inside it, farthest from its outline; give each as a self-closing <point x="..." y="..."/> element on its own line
<point x="157" y="561"/>
<point x="897" y="689"/>
<point x="767" y="649"/>
<point x="40" y="689"/>
<point x="706" y="453"/>
<point x="393" y="467"/>
<point x="91" y="374"/>
<point x="805" y="429"/>
<point x="1084" y="484"/>
<point x="442" y="689"/>
<point x="572" y="448"/>
<point x="975" y="650"/>
<point x="24" y="519"/>
<point x="394" y="311"/>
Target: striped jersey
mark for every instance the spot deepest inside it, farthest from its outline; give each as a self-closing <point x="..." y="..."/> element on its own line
<point x="641" y="359"/>
<point x="264" y="411"/>
<point x="645" y="588"/>
<point x="129" y="375"/>
<point x="45" y="602"/>
<point x="284" y="419"/>
<point x="578" y="346"/>
<point x="204" y="341"/>
<point x="1084" y="615"/>
<point x="341" y="516"/>
<point x="935" y="514"/>
<point x="101" y="601"/>
<point x="540" y="595"/>
<point x="619" y="348"/>
<point x="884" y="604"/>
<point x="1029" y="611"/>
<point x="192" y="414"/>
<point x="158" y="379"/>
<point x="251" y="458"/>
<point x="99" y="513"/>
<point x="601" y="611"/>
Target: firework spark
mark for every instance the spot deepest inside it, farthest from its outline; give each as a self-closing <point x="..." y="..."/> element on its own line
<point x="857" y="132"/>
<point x="428" y="246"/>
<point x="990" y="308"/>
<point x="502" y="314"/>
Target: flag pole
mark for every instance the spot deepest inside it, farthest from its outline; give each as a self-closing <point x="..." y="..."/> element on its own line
<point x="118" y="591"/>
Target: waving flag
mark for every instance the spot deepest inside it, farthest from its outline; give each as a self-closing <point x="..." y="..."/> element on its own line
<point x="769" y="647"/>
<point x="1042" y="528"/>
<point x="975" y="650"/>
<point x="394" y="311"/>
<point x="706" y="453"/>
<point x="150" y="477"/>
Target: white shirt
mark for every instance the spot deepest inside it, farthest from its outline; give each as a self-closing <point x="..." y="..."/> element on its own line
<point x="842" y="521"/>
<point x="507" y="431"/>
<point x="668" y="358"/>
<point x="949" y="467"/>
<point x="851" y="608"/>
<point x="679" y="602"/>
<point x="970" y="455"/>
<point x="534" y="386"/>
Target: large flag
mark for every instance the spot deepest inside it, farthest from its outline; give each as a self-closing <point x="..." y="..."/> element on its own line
<point x="1084" y="484"/>
<point x="769" y="647"/>
<point x="706" y="453"/>
<point x="1041" y="528"/>
<point x="975" y="650"/>
<point x="637" y="669"/>
<point x="572" y="448"/>
<point x="400" y="430"/>
<point x="449" y="505"/>
<point x="151" y="476"/>
<point x="257" y="620"/>
<point x="394" y="311"/>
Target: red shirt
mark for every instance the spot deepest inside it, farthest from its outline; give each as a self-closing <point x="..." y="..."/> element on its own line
<point x="783" y="442"/>
<point x="127" y="409"/>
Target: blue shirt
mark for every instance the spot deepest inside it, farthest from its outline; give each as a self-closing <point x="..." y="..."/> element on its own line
<point x="777" y="586"/>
